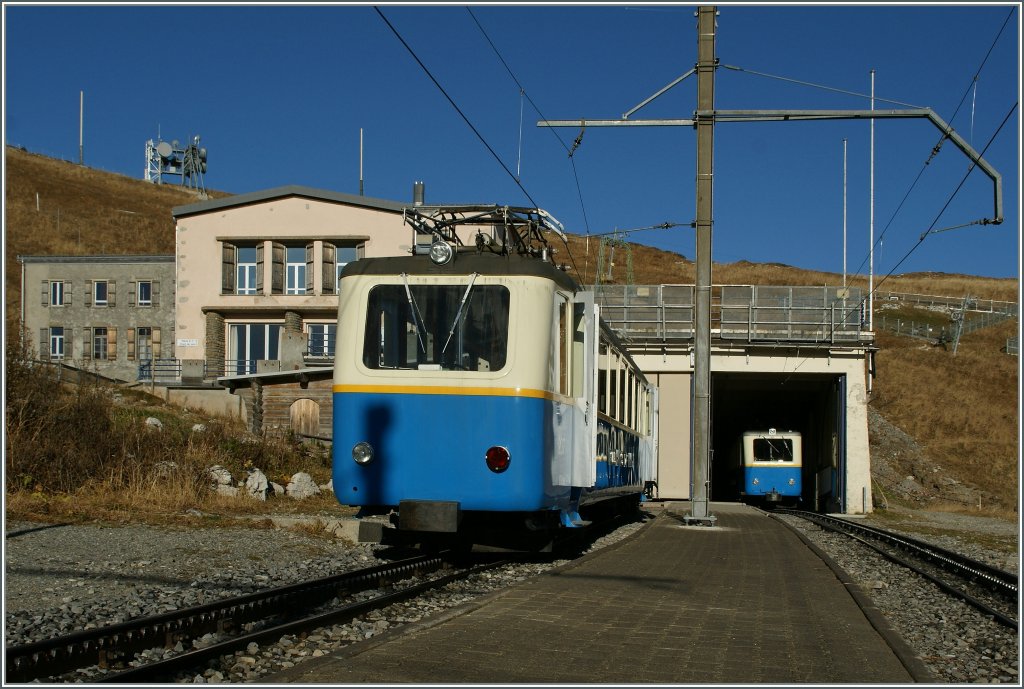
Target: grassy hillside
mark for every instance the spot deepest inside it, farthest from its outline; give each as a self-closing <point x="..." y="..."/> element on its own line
<point x="962" y="410"/>
<point x="55" y="207"/>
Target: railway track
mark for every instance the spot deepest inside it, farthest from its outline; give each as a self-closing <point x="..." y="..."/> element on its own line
<point x="252" y="618"/>
<point x="992" y="591"/>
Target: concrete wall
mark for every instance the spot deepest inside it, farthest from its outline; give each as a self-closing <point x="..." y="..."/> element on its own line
<point x="212" y="401"/>
<point x="675" y="437"/>
<point x="672" y="373"/>
<point x="79" y="314"/>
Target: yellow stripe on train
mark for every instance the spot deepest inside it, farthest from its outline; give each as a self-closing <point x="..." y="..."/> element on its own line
<point x="449" y="390"/>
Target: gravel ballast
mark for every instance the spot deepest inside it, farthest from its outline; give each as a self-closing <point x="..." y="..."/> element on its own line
<point x="64" y="578"/>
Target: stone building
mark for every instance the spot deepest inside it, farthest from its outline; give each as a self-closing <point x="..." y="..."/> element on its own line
<point x="110" y="314"/>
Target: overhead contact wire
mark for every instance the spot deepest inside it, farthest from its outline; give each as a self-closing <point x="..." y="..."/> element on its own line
<point x="522" y="91"/>
<point x="457" y="108"/>
<point x="938" y="145"/>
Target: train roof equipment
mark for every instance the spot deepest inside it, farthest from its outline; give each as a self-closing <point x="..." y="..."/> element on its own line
<point x="504" y="230"/>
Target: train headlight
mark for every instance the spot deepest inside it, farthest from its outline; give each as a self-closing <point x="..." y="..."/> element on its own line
<point x="497" y="459"/>
<point x="792" y="481"/>
<point x="441" y="252"/>
<point x="362" y="453"/>
<point x="755" y="482"/>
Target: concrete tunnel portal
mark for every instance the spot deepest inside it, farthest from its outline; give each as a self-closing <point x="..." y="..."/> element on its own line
<point x="812" y="404"/>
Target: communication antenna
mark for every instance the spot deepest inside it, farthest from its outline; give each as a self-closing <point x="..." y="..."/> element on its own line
<point x="186" y="162"/>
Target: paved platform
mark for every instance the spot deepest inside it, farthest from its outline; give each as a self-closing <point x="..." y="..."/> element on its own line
<point x="745" y="601"/>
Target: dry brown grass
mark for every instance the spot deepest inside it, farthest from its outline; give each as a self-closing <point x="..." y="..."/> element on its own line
<point x="652" y="266"/>
<point x="962" y="409"/>
<point x="84" y="451"/>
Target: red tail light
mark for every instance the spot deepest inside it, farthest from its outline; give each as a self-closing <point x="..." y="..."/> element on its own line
<point x="498" y="459"/>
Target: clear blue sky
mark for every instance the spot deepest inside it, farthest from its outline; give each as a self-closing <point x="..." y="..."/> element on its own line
<point x="279" y="94"/>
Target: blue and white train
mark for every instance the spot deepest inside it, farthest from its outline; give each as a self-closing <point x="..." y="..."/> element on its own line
<point x="772" y="466"/>
<point x="477" y="395"/>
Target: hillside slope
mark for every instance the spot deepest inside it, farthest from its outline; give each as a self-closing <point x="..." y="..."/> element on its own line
<point x="56" y="207"/>
<point x="961" y="411"/>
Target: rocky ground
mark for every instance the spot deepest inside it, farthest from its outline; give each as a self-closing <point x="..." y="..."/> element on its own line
<point x="903" y="473"/>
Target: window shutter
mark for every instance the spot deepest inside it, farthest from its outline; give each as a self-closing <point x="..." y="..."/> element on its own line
<point x="44" y="344"/>
<point x="110" y="293"/>
<point x="133" y="288"/>
<point x="87" y="342"/>
<point x="46" y="292"/>
<point x="131" y="343"/>
<point x="309" y="268"/>
<point x="229" y="256"/>
<point x="88" y="292"/>
<point x="156" y="343"/>
<point x="259" y="268"/>
<point x="112" y="344"/>
<point x="154" y="292"/>
<point x="277" y="269"/>
<point x="67" y="293"/>
<point x="328" y="272"/>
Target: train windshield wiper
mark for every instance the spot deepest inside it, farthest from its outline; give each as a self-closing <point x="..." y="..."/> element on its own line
<point x="417" y="317"/>
<point x="458" y="315"/>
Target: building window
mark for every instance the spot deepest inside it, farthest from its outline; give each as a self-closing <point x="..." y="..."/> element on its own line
<point x="144" y="343"/>
<point x="99" y="343"/>
<point x="57" y="293"/>
<point x="100" y="293"/>
<point x="346" y="254"/>
<point x="144" y="293"/>
<point x="245" y="275"/>
<point x="57" y="342"/>
<point x="252" y="342"/>
<point x="295" y="270"/>
<point x="321" y="339"/>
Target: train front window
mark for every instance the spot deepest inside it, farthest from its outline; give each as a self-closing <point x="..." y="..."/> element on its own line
<point x="437" y="327"/>
<point x="773" y="450"/>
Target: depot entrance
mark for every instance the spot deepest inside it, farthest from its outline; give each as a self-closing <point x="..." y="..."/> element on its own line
<point x="810" y="404"/>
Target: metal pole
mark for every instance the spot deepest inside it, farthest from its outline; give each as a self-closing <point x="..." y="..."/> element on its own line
<point x="871" y="248"/>
<point x="702" y="340"/>
<point x="360" y="161"/>
<point x="81" y="126"/>
<point x="844" y="213"/>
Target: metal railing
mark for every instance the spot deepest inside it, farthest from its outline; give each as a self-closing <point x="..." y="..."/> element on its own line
<point x="665" y="313"/>
<point x="159" y="370"/>
<point x="973" y="304"/>
<point x="940" y="333"/>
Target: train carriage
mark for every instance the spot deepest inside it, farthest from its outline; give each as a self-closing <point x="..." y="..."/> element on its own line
<point x="476" y="393"/>
<point x="772" y="466"/>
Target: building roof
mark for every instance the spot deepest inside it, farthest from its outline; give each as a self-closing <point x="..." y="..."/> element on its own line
<point x="126" y="259"/>
<point x="286" y="192"/>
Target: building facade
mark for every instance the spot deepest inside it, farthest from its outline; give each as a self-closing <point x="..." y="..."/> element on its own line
<point x="110" y="314"/>
<point x="258" y="274"/>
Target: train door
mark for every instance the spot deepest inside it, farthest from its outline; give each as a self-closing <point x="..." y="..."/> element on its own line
<point x="583" y="388"/>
